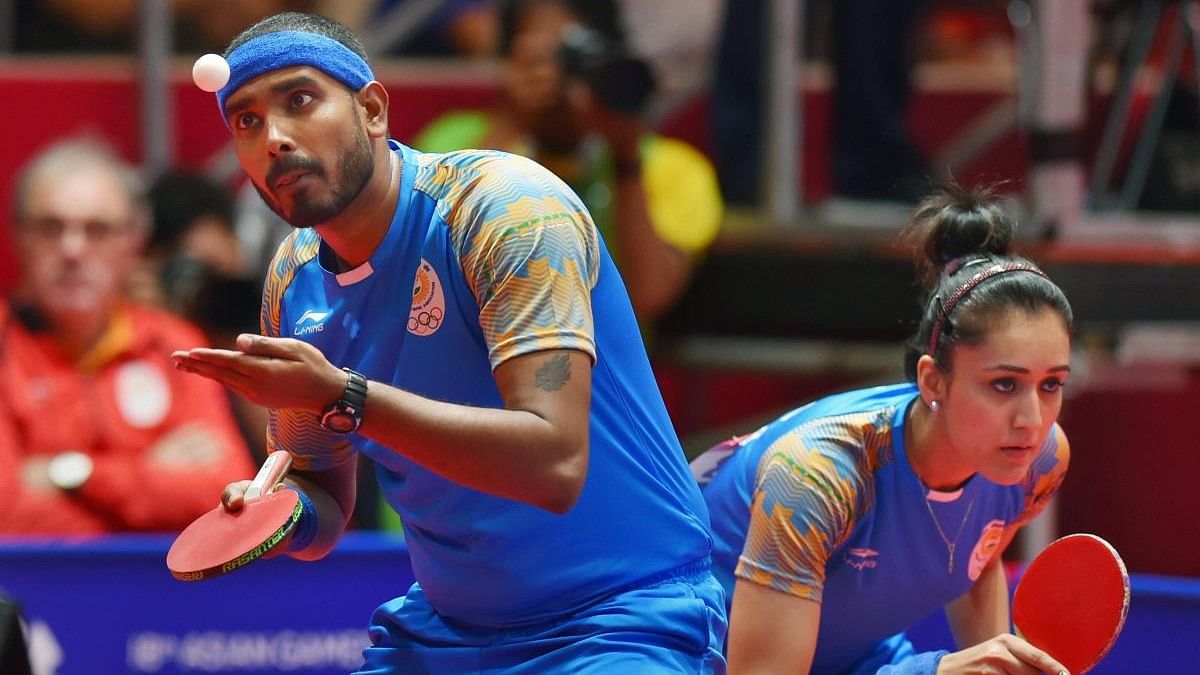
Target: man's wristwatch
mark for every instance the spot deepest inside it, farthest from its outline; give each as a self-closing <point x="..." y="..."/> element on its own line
<point x="344" y="416"/>
<point x="69" y="470"/>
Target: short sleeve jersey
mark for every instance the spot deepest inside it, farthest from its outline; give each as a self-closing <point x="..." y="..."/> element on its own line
<point x="489" y="257"/>
<point x="824" y="505"/>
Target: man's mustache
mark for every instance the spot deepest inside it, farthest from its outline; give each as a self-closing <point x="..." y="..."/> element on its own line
<point x="289" y="164"/>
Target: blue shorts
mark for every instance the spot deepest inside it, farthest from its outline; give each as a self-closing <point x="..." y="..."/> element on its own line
<point x="674" y="626"/>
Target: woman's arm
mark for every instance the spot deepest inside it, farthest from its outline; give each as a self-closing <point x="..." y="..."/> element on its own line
<point x="771" y="631"/>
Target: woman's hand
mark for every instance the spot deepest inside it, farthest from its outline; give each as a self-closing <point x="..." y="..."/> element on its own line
<point x="1002" y="654"/>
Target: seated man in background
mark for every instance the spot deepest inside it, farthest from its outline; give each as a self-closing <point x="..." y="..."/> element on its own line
<point x="191" y="240"/>
<point x="574" y="101"/>
<point x="196" y="268"/>
<point x="98" y="432"/>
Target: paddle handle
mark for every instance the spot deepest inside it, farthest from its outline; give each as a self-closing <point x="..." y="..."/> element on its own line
<point x="272" y="472"/>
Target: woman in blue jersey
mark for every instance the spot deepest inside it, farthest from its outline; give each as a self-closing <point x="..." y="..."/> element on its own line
<point x="845" y="521"/>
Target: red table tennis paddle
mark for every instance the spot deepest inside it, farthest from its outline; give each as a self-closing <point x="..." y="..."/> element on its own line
<point x="222" y="541"/>
<point x="1072" y="600"/>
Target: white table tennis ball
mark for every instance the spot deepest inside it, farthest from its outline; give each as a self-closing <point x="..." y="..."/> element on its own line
<point x="210" y="72"/>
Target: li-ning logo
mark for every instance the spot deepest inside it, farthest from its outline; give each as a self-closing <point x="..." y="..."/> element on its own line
<point x="862" y="558"/>
<point x="310" y="322"/>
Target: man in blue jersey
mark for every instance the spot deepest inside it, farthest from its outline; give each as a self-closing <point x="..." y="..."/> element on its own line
<point x="456" y="319"/>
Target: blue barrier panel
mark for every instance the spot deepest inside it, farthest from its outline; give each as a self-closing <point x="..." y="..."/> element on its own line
<point x="109" y="605"/>
<point x="1161" y="635"/>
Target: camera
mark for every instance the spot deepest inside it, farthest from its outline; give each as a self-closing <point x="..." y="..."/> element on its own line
<point x="618" y="80"/>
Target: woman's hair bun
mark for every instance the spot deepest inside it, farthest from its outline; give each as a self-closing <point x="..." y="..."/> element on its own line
<point x="957" y="223"/>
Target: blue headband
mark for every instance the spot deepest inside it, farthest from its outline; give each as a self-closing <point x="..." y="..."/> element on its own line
<point x="289" y="48"/>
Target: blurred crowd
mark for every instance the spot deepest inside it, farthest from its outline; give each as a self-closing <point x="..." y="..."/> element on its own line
<point x="99" y="434"/>
<point x="118" y="270"/>
<point x="458" y="27"/>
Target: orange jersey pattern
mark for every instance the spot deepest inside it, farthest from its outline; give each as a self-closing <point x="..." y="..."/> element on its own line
<point x="519" y="242"/>
<point x="812" y="484"/>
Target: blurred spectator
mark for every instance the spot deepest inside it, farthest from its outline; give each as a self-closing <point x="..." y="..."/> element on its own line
<point x="574" y="100"/>
<point x="112" y="25"/>
<point x="467" y="28"/>
<point x="75" y="25"/>
<point x="678" y="37"/>
<point x="224" y="307"/>
<point x="209" y="25"/>
<point x="191" y="237"/>
<point x="98" y="432"/>
<point x="196" y="266"/>
<point x="873" y="155"/>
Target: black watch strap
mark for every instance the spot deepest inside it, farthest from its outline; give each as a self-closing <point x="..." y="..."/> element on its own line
<point x="355" y="395"/>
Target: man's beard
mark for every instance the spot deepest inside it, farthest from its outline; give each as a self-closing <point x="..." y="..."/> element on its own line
<point x="355" y="167"/>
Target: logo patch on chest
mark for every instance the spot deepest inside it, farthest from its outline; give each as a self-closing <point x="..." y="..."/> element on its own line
<point x="428" y="302"/>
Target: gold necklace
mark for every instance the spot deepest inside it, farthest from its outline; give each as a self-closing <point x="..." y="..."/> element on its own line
<point x="950" y="545"/>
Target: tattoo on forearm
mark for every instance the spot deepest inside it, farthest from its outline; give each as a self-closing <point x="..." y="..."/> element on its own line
<point x="554" y="374"/>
